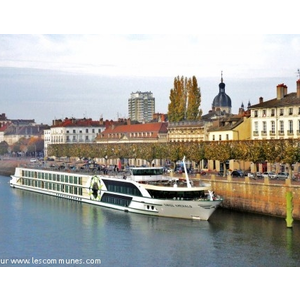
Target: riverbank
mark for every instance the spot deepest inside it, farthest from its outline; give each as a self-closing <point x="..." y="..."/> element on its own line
<point x="7" y="166"/>
<point x="267" y="197"/>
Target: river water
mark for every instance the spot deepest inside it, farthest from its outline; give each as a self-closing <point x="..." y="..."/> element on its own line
<point x="38" y="230"/>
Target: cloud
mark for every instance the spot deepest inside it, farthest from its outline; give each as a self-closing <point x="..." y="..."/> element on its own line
<point x="154" y="55"/>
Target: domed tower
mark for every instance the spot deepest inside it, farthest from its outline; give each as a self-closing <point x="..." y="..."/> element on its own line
<point x="222" y="101"/>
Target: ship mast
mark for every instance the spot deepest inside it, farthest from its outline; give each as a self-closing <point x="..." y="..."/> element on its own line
<point x="186" y="174"/>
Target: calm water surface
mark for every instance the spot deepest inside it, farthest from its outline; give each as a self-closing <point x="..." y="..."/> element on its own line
<point x="39" y="230"/>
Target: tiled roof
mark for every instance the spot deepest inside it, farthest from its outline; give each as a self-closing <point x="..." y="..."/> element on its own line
<point x="3" y="128"/>
<point x="77" y="123"/>
<point x="122" y="130"/>
<point x="288" y="100"/>
<point x="25" y="130"/>
<point x="229" y="124"/>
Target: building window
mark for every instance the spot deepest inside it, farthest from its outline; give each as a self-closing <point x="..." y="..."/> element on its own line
<point x="273" y="126"/>
<point x="256" y="126"/>
<point x="290" y="126"/>
<point x="281" y="126"/>
<point x="281" y="112"/>
<point x="213" y="137"/>
<point x="264" y="126"/>
<point x="290" y="111"/>
<point x="220" y="137"/>
<point x="264" y="113"/>
<point x="255" y="114"/>
<point x="227" y="136"/>
<point x="272" y="112"/>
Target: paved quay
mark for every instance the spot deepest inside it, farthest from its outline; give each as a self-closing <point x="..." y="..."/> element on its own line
<point x="8" y="165"/>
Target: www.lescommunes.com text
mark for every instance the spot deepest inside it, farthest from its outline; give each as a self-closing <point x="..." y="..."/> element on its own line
<point x="50" y="261"/>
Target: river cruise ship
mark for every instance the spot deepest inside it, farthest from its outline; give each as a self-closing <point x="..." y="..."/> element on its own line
<point x="143" y="190"/>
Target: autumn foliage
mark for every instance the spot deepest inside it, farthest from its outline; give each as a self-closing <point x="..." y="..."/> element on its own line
<point x="256" y="151"/>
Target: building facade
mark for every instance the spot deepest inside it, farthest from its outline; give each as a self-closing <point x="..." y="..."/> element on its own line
<point x="135" y="133"/>
<point x="141" y="106"/>
<point x="186" y="131"/>
<point x="278" y="118"/>
<point x="72" y="130"/>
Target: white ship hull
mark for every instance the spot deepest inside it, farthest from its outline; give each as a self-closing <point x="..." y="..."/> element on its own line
<point x="117" y="193"/>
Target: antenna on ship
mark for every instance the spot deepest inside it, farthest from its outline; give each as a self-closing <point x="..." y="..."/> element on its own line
<point x="188" y="184"/>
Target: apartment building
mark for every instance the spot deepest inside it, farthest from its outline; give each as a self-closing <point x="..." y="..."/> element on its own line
<point x="72" y="131"/>
<point x="278" y="118"/>
<point x="141" y="106"/>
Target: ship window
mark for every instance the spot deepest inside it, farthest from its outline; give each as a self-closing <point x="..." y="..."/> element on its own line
<point x="176" y="195"/>
<point x="122" y="187"/>
<point x="66" y="178"/>
<point x="116" y="200"/>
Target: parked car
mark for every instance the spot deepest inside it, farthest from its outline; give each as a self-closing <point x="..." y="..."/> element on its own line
<point x="259" y="175"/>
<point x="282" y="175"/>
<point x="285" y="175"/>
<point x="237" y="173"/>
<point x="271" y="175"/>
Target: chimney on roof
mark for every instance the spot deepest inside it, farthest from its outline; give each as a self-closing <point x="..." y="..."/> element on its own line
<point x="281" y="91"/>
<point x="298" y="88"/>
<point x="261" y="99"/>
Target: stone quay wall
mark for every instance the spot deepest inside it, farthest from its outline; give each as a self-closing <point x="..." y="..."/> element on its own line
<point x="264" y="196"/>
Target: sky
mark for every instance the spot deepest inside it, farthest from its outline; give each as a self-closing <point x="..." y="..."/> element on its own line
<point x="57" y="75"/>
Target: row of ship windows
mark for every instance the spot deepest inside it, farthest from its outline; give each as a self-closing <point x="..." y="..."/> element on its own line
<point x="52" y="177"/>
<point x="52" y="186"/>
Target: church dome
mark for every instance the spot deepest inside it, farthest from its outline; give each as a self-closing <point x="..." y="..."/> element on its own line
<point x="222" y="101"/>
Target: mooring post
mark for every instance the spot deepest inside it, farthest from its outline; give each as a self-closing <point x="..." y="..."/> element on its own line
<point x="289" y="209"/>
